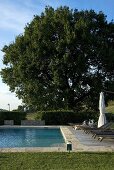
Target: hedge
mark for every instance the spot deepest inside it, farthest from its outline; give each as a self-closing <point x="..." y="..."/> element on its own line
<point x="109" y="117"/>
<point x="16" y="116"/>
<point x="65" y="117"/>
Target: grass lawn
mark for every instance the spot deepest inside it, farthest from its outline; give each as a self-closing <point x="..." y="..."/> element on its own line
<point x="58" y="161"/>
<point x="110" y="107"/>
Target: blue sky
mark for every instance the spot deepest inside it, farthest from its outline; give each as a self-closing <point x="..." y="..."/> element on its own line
<point x="15" y="14"/>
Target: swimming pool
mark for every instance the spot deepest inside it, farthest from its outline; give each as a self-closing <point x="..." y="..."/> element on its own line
<point x="30" y="137"/>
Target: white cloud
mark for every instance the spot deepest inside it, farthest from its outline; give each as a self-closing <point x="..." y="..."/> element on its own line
<point x="6" y="98"/>
<point x="14" y="17"/>
<point x="1" y="58"/>
<point x="41" y="3"/>
<point x="51" y="2"/>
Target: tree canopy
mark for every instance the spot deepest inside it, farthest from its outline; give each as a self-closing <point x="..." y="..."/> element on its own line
<point x="64" y="59"/>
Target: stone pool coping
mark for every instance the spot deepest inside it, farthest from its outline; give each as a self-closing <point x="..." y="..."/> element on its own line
<point x="68" y="135"/>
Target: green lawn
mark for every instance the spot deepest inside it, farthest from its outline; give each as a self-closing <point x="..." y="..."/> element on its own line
<point x="58" y="161"/>
<point x="110" y="107"/>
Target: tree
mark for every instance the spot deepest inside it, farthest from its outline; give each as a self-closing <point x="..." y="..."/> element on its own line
<point x="63" y="59"/>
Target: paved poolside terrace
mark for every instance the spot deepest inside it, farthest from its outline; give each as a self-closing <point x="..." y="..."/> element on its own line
<point x="81" y="142"/>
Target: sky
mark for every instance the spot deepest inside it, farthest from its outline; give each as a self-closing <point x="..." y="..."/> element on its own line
<point x="15" y="14"/>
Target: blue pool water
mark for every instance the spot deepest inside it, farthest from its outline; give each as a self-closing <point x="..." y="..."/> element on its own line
<point x="30" y="137"/>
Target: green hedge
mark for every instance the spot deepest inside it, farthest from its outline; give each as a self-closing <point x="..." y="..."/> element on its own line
<point x="65" y="117"/>
<point x="16" y="116"/>
<point x="109" y="117"/>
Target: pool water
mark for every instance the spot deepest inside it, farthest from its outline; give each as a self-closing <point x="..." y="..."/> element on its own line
<point x="30" y="137"/>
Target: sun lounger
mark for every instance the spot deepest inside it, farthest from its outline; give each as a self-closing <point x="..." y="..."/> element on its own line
<point x="88" y="129"/>
<point x="81" y="126"/>
<point x="102" y="132"/>
<point x="97" y="133"/>
<point x="102" y="128"/>
<point x="102" y="136"/>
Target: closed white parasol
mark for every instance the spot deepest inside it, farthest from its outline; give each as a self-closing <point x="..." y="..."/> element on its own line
<point x="102" y="117"/>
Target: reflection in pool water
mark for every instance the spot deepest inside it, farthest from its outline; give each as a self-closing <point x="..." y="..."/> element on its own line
<point x="30" y="137"/>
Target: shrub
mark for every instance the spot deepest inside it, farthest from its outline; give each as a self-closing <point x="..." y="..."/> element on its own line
<point x="2" y="118"/>
<point x="109" y="117"/>
<point x="16" y="116"/>
<point x="64" y="117"/>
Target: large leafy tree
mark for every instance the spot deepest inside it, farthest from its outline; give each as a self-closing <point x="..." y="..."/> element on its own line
<point x="63" y="59"/>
